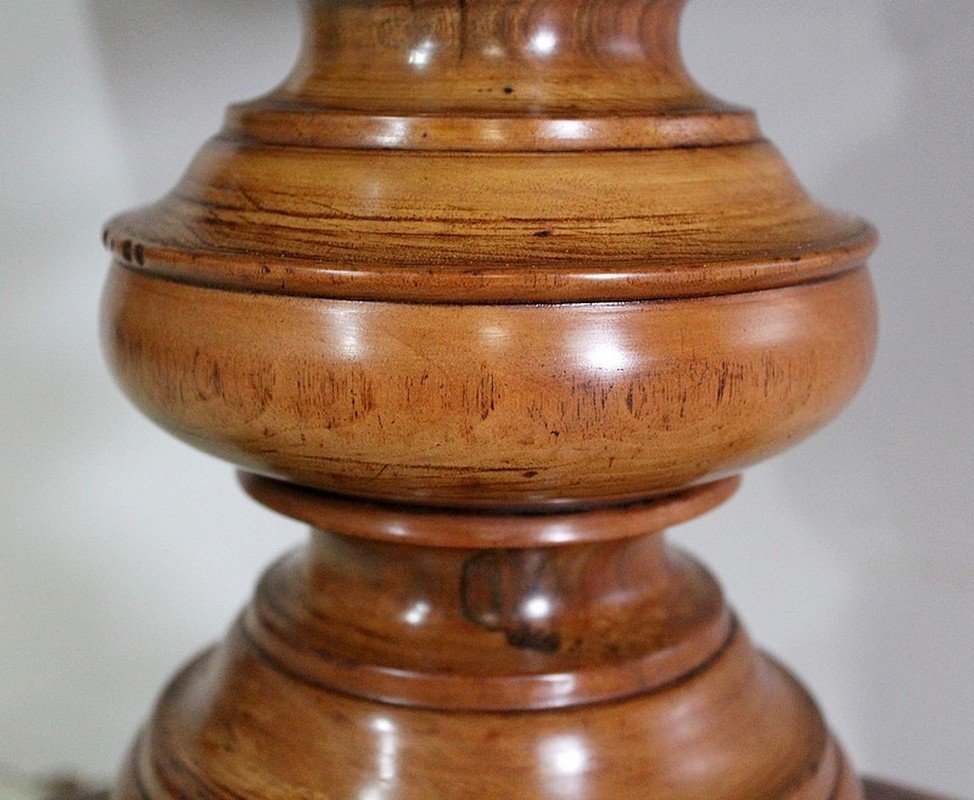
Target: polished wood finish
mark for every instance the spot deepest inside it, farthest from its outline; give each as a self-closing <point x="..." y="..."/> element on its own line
<point x="574" y="226"/>
<point x="489" y="629"/>
<point x="232" y="723"/>
<point x="490" y="293"/>
<point x="502" y="406"/>
<point x="457" y="528"/>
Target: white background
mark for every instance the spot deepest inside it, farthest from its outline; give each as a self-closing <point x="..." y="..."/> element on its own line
<point x="123" y="551"/>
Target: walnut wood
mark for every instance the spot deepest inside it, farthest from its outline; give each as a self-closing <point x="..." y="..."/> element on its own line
<point x="587" y="225"/>
<point x="523" y="406"/>
<point x="453" y="528"/>
<point x="489" y="629"/>
<point x="232" y="723"/>
<point x="490" y="293"/>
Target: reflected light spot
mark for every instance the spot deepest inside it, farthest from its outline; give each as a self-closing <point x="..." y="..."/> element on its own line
<point x="396" y="529"/>
<point x="566" y="755"/>
<point x="494" y="334"/>
<point x="417" y="613"/>
<point x="607" y="356"/>
<point x="543" y="42"/>
<point x="393" y="132"/>
<point x="383" y="725"/>
<point x="559" y="532"/>
<point x="568" y="128"/>
<point x="492" y="132"/>
<point x="537" y="607"/>
<point x="387" y="756"/>
<point x="420" y="55"/>
<point x="348" y="330"/>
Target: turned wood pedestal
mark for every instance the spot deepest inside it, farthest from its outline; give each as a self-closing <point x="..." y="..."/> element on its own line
<point x="490" y="294"/>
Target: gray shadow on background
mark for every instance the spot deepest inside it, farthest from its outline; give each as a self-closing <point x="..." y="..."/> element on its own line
<point x="893" y="487"/>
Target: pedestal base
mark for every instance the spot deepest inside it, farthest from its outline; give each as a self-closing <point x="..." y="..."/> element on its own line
<point x="233" y="726"/>
<point x="602" y="668"/>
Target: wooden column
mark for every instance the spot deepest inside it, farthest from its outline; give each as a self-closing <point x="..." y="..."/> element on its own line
<point x="490" y="293"/>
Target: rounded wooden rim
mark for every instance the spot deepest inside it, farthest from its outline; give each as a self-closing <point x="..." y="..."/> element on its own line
<point x="439" y="527"/>
<point x="294" y="125"/>
<point x="522" y="692"/>
<point x="291" y="276"/>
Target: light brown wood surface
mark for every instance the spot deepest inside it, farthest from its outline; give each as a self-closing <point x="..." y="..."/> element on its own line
<point x="474" y="405"/>
<point x="490" y="293"/>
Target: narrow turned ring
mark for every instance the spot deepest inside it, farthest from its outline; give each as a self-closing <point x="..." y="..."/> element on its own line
<point x="436" y="527"/>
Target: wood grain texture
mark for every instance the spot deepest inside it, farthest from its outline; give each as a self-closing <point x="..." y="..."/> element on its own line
<point x="496" y="630"/>
<point x="525" y="406"/>
<point x="490" y="151"/>
<point x="423" y="525"/>
<point x="574" y="670"/>
<point x="400" y="225"/>
<point x="230" y="725"/>
<point x="489" y="292"/>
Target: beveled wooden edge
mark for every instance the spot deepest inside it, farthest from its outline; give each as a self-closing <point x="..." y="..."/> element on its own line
<point x="442" y="691"/>
<point x="298" y="126"/>
<point x="441" y="527"/>
<point x="265" y="273"/>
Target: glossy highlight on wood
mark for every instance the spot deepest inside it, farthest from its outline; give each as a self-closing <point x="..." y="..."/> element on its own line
<point x="489" y="293"/>
<point x="521" y="406"/>
<point x="451" y="528"/>
<point x="488" y="629"/>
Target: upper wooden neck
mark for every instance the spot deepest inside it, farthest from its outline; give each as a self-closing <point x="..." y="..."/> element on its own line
<point x="494" y="56"/>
